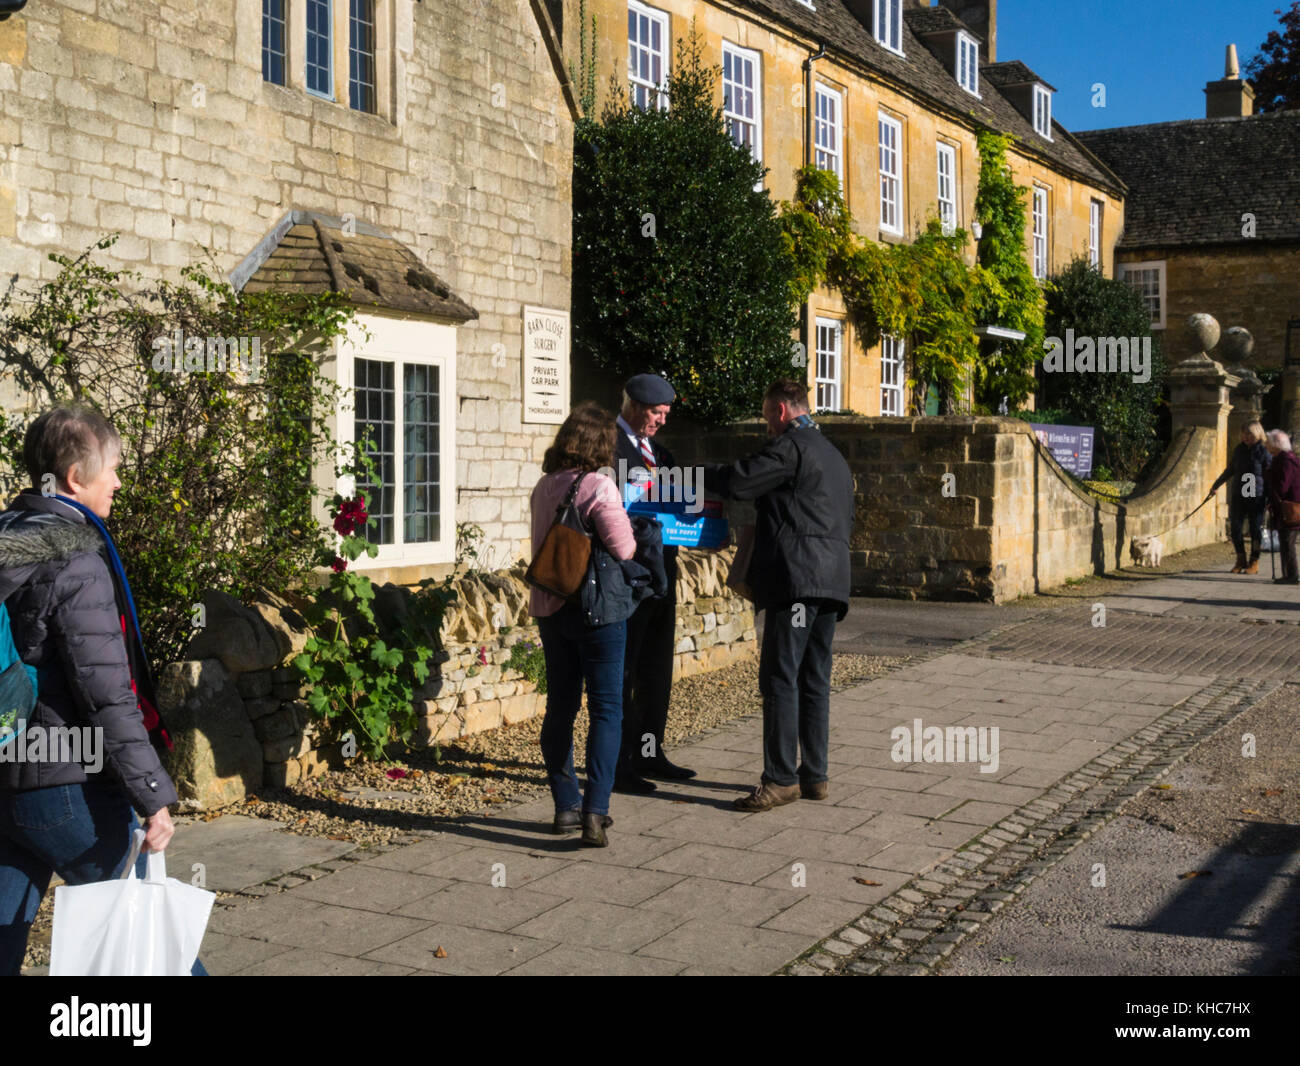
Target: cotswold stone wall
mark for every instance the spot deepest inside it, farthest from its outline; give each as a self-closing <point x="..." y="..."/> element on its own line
<point x="150" y="118"/>
<point x="235" y="705"/>
<point x="967" y="508"/>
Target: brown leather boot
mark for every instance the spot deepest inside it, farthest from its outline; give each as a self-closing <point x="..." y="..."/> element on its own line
<point x="1253" y="568"/>
<point x="813" y="790"/>
<point x="767" y="796"/>
<point x="1241" y="563"/>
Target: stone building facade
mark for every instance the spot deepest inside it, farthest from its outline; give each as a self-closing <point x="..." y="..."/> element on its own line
<point x="443" y="129"/>
<point x="1213" y="220"/>
<point x="887" y="110"/>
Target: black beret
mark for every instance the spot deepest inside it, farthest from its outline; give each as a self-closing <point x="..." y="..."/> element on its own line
<point x="649" y="389"/>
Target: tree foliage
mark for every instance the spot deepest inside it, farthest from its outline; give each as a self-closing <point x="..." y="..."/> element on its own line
<point x="1124" y="412"/>
<point x="678" y="263"/>
<point x="216" y="468"/>
<point x="1274" y="72"/>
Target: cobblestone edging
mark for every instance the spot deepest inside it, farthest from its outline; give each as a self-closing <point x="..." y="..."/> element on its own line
<point x="912" y="931"/>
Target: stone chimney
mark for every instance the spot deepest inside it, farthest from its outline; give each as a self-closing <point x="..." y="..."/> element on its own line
<point x="982" y="17"/>
<point x="1231" y="97"/>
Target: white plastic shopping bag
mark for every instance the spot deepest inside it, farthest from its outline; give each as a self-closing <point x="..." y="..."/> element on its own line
<point x="129" y="927"/>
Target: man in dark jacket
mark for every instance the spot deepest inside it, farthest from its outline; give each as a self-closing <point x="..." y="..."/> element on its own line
<point x="800" y="576"/>
<point x="651" y="631"/>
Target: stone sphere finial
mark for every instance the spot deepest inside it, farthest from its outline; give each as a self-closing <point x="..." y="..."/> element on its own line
<point x="1205" y="329"/>
<point x="1236" y="344"/>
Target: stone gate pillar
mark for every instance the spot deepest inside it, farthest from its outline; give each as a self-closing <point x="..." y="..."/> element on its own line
<point x="1200" y="396"/>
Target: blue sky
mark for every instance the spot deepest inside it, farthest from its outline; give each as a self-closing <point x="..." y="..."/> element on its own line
<point x="1153" y="56"/>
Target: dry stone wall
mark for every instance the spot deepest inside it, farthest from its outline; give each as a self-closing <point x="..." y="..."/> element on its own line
<point x="975" y="508"/>
<point x="235" y="705"/>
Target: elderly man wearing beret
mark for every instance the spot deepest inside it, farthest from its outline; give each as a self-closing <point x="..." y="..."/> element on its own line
<point x="651" y="631"/>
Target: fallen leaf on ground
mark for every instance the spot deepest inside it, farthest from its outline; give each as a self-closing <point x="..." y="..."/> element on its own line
<point x="1247" y="810"/>
<point x="1162" y="786"/>
<point x="333" y="837"/>
<point x="1195" y="873"/>
<point x="1273" y="791"/>
<point x="439" y="952"/>
<point x="1006" y="958"/>
<point x="864" y="881"/>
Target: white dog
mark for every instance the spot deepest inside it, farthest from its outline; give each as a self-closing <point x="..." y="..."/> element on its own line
<point x="1146" y="551"/>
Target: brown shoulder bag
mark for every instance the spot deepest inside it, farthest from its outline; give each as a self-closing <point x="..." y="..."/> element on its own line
<point x="560" y="565"/>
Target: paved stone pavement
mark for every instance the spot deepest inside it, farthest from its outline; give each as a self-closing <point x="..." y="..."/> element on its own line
<point x="690" y="886"/>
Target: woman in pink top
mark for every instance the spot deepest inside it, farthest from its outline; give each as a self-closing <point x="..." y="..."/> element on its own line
<point x="576" y="652"/>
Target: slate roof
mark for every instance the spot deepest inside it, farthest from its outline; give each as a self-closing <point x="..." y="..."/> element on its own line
<point x="308" y="252"/>
<point x="1191" y="181"/>
<point x="919" y="72"/>
<point x="936" y="20"/>
<point x="1010" y="72"/>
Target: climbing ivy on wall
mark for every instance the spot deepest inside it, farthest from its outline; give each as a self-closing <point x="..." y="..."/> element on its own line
<point x="924" y="291"/>
<point x="1013" y="298"/>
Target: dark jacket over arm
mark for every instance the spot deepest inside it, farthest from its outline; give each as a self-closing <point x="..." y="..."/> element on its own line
<point x="805" y="495"/>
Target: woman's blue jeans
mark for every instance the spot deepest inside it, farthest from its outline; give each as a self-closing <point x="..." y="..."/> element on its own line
<point x="81" y="832"/>
<point x="576" y="654"/>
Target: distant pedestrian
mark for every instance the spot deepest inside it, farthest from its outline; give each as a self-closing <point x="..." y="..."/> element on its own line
<point x="583" y="645"/>
<point x="800" y="577"/>
<point x="1246" y="494"/>
<point x="1283" y="482"/>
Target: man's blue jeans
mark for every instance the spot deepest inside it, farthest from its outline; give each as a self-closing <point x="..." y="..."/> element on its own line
<point x="81" y="832"/>
<point x="574" y="654"/>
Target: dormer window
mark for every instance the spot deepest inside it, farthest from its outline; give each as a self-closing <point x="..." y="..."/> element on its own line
<point x="889" y="24"/>
<point x="968" y="63"/>
<point x="1043" y="111"/>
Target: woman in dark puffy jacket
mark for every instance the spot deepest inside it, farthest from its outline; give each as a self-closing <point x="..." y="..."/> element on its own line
<point x="1246" y="496"/>
<point x="71" y="807"/>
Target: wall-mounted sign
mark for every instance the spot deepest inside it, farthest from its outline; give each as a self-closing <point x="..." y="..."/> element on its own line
<point x="546" y="365"/>
<point x="1071" y="446"/>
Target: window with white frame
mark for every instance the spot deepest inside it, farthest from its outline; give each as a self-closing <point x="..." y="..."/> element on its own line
<point x="889" y="24"/>
<point x="647" y="55"/>
<point x="361" y="55"/>
<point x="830" y="337"/>
<point x="968" y="63"/>
<point x="274" y="54"/>
<point x="891" y="375"/>
<point x="948" y="187"/>
<point x="741" y="100"/>
<point x="1148" y="280"/>
<point x="320" y="48"/>
<point x="402" y="381"/>
<point x="1043" y="111"/>
<point x="1040" y="232"/>
<point x="1094" y="233"/>
<point x="891" y="174"/>
<point x="828" y="130"/>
